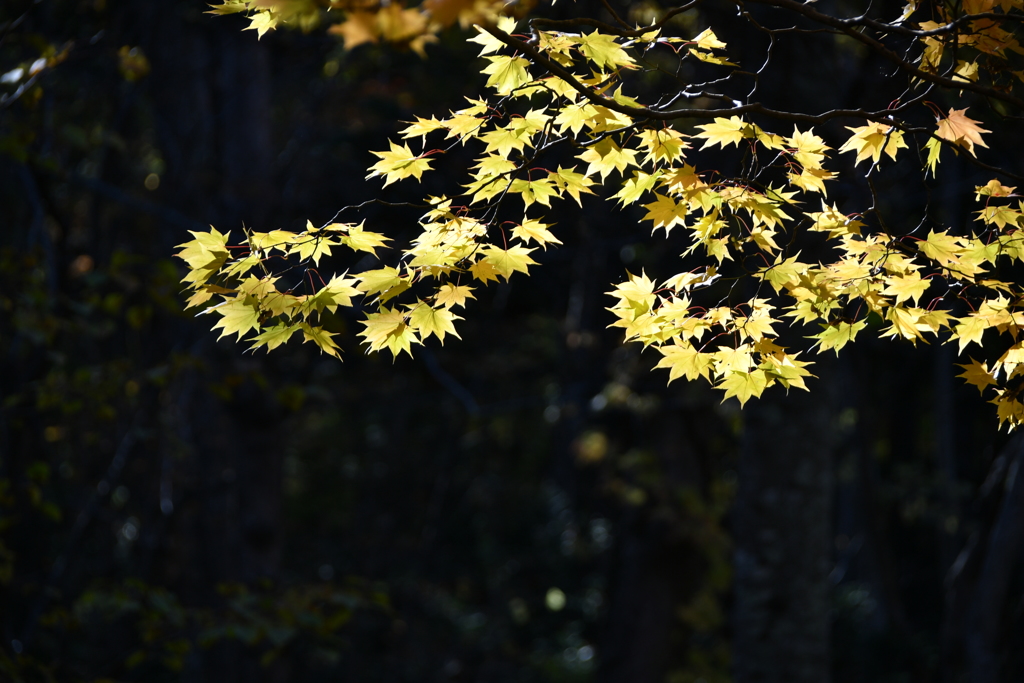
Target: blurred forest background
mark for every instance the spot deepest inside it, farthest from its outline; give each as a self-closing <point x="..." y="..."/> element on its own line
<point x="531" y="503"/>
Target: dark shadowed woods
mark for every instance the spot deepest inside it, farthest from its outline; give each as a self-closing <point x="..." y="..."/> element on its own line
<point x="530" y="503"/>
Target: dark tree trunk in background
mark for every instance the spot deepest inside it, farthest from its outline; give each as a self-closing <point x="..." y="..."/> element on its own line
<point x="656" y="569"/>
<point x="782" y="528"/>
<point x="987" y="610"/>
<point x="211" y="94"/>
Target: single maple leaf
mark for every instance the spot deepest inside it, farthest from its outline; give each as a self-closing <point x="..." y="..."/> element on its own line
<point x="665" y="212"/>
<point x="363" y="240"/>
<point x="421" y="127"/>
<point x="535" y="230"/>
<point x="238" y="316"/>
<point x="910" y="286"/>
<point x="838" y="335"/>
<point x="507" y="261"/>
<point x="387" y="281"/>
<point x="437" y="321"/>
<point x="729" y="359"/>
<point x="398" y="163"/>
<point x="977" y="374"/>
<point x="970" y="330"/>
<point x="962" y="131"/>
<point x="380" y="326"/>
<point x="569" y="181"/>
<point x="484" y="271"/>
<point x="272" y="337"/>
<point x="321" y="338"/>
<point x="506" y="73"/>
<point x="723" y="132"/>
<point x="870" y="141"/>
<point x="635" y="187"/>
<point x="756" y="326"/>
<point x="744" y="385"/>
<point x="944" y="248"/>
<point x="453" y="295"/>
<point x="682" y="360"/>
<point x="603" y="51"/>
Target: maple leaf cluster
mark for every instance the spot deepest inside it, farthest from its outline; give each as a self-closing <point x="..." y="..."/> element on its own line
<point x="365" y="21"/>
<point x="554" y="86"/>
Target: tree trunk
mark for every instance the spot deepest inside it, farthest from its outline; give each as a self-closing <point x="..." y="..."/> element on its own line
<point x="211" y="100"/>
<point x="782" y="533"/>
<point x="988" y="605"/>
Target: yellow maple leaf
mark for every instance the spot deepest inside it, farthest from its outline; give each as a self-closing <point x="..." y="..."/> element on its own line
<point x="970" y="330"/>
<point x="508" y="261"/>
<point x="204" y="255"/>
<point x="909" y="286"/>
<point x="503" y="141"/>
<point x="484" y="271"/>
<point x="275" y="239"/>
<point x="359" y="239"/>
<point x="421" y="127"/>
<point x="381" y="325"/>
<point x="261" y="22"/>
<point x="838" y="335"/>
<point x="274" y="336"/>
<point x="320" y="337"/>
<point x="665" y="212"/>
<point x="636" y="294"/>
<point x="398" y="163"/>
<point x="807" y="148"/>
<point x="870" y="141"/>
<point x="204" y="293"/>
<point x="682" y="360"/>
<point x="962" y="131"/>
<point x="1011" y="360"/>
<point x="743" y="385"/>
<point x="338" y="292"/>
<point x="530" y="191"/>
<point x="784" y="272"/>
<point x="1008" y="409"/>
<point x="387" y="281"/>
<point x="568" y="181"/>
<point x="449" y="295"/>
<point x="904" y="323"/>
<point x="729" y="359"/>
<point x="487" y="42"/>
<point x="978" y="374"/>
<point x="993" y="188"/>
<point x="603" y="51"/>
<point x="506" y="73"/>
<point x="427" y="320"/>
<point x="782" y="367"/>
<point x="358" y="28"/>
<point x="238" y="315"/>
<point x="723" y="132"/>
<point x="944" y="248"/>
<point x="934" y="148"/>
<point x="606" y="156"/>
<point x="755" y="326"/>
<point x="634" y="188"/>
<point x="663" y="144"/>
<point x="531" y="229"/>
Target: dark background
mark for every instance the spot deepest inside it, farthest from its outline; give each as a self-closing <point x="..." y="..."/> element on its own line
<point x="530" y="503"/>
